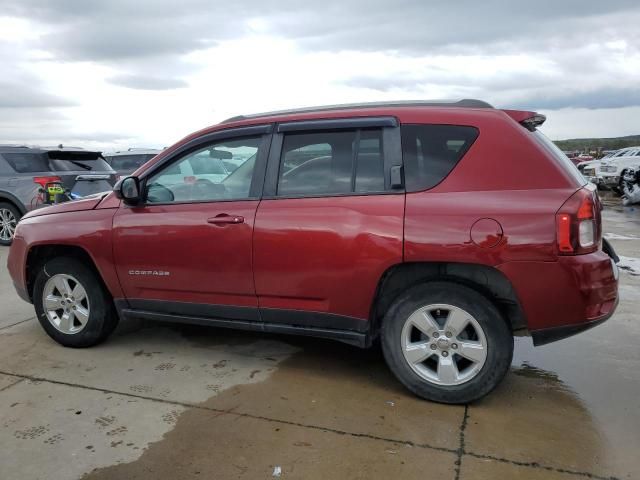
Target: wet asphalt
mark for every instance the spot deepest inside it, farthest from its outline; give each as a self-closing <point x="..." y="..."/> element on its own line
<point x="173" y="402"/>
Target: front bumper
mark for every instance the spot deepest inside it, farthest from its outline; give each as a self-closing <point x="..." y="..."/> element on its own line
<point x="16" y="262"/>
<point x="610" y="180"/>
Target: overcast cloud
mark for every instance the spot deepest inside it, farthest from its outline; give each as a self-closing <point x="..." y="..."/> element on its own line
<point x="120" y="73"/>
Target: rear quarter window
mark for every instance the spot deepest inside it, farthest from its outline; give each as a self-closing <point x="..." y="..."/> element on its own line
<point x="430" y="152"/>
<point x="24" y="162"/>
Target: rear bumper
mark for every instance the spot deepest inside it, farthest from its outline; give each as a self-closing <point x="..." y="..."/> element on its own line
<point x="565" y="297"/>
<point x="553" y="334"/>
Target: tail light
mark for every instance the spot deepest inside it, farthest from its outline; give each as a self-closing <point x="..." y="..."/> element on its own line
<point x="578" y="223"/>
<point x="43" y="181"/>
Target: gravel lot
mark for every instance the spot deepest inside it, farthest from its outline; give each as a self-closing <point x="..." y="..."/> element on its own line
<point x="158" y="401"/>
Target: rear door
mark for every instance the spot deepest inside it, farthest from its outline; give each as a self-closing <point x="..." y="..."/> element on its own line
<point x="187" y="249"/>
<point x="330" y="222"/>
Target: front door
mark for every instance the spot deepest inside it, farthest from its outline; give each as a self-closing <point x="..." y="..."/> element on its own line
<point x="187" y="249"/>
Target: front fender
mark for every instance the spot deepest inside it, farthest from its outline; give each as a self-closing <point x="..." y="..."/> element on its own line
<point x="89" y="230"/>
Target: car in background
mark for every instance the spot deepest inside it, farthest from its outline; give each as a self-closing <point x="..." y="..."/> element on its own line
<point x="127" y="161"/>
<point x="576" y="158"/>
<point x="30" y="177"/>
<point x="589" y="169"/>
<point x="611" y="169"/>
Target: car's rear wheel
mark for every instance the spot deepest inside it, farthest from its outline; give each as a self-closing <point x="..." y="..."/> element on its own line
<point x="446" y="342"/>
<point x="9" y="217"/>
<point x="72" y="305"/>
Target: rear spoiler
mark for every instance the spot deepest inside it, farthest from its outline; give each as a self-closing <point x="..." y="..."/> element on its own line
<point x="73" y="155"/>
<point x="529" y="120"/>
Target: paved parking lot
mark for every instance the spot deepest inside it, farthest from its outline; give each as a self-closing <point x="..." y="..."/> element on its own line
<point x="158" y="401"/>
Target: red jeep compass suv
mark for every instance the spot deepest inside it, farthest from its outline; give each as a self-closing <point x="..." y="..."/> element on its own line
<point x="443" y="229"/>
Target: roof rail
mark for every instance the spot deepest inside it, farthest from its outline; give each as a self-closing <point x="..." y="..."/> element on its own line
<point x="13" y="145"/>
<point x="465" y="103"/>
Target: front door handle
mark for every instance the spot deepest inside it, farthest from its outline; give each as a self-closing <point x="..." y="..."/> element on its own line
<point x="224" y="219"/>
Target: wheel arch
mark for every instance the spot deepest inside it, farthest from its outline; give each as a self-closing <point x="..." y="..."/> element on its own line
<point x="38" y="255"/>
<point x="486" y="280"/>
<point x="6" y="197"/>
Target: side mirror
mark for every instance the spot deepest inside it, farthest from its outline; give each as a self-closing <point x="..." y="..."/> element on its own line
<point x="128" y="189"/>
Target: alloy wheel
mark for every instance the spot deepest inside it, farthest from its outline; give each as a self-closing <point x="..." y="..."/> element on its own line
<point x="8" y="222"/>
<point x="444" y="344"/>
<point x="66" y="303"/>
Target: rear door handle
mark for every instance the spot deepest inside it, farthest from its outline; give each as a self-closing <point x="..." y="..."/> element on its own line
<point x="224" y="219"/>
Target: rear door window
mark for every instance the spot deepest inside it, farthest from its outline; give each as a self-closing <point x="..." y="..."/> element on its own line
<point x="331" y="163"/>
<point x="430" y="152"/>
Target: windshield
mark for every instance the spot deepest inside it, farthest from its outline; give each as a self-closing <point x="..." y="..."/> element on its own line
<point x="564" y="161"/>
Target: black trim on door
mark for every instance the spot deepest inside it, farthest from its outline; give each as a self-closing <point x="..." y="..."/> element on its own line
<point x="304" y="318"/>
<point x="353" y="331"/>
<point x="196" y="309"/>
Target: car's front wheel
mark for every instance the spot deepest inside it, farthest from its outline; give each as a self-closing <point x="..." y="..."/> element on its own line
<point x="446" y="342"/>
<point x="72" y="305"/>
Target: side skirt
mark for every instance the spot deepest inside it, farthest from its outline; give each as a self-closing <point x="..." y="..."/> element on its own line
<point x="358" y="339"/>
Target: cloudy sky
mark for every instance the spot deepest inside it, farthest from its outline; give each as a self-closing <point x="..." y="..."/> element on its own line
<point x="118" y="73"/>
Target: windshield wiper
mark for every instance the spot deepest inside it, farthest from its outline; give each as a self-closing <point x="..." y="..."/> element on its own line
<point x="86" y="167"/>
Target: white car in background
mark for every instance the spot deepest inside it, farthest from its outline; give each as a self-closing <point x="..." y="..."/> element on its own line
<point x="611" y="168"/>
<point x="590" y="168"/>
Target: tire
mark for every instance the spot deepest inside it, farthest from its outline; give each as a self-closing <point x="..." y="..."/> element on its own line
<point x="93" y="318"/>
<point x="9" y="218"/>
<point x="435" y="378"/>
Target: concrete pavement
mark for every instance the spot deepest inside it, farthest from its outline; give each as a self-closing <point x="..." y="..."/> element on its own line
<point x="158" y="401"/>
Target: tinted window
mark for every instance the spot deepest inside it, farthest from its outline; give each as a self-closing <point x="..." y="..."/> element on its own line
<point x="326" y="163"/>
<point x="74" y="165"/>
<point x="431" y="151"/>
<point x="203" y="175"/>
<point x="28" y="162"/>
<point x="129" y="162"/>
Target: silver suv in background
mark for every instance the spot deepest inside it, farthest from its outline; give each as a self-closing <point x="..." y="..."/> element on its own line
<point x="31" y="177"/>
<point x="127" y="161"/>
